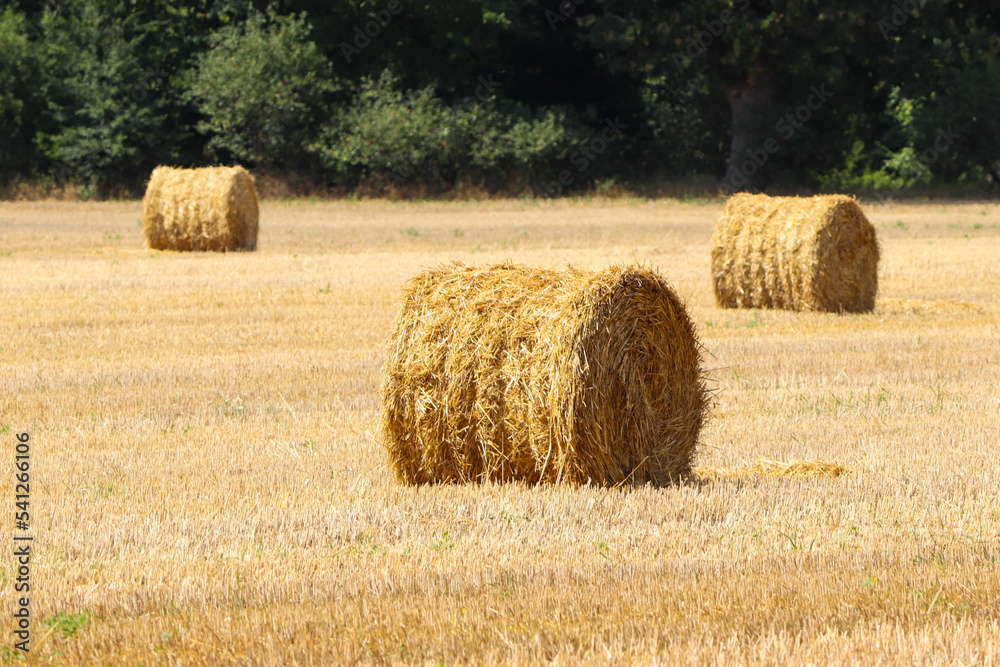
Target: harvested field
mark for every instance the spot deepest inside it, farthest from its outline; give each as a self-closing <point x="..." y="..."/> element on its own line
<point x="208" y="486"/>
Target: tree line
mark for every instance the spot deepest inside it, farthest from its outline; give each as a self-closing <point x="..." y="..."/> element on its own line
<point x="547" y="96"/>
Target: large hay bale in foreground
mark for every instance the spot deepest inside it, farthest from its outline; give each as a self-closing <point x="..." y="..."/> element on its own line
<point x="798" y="253"/>
<point x="509" y="373"/>
<point x="214" y="208"/>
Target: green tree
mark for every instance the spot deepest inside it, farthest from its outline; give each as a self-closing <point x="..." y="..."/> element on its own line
<point x="261" y="87"/>
<point x="767" y="60"/>
<point x="946" y="59"/>
<point x="394" y="135"/>
<point x="759" y="92"/>
<point x="18" y="72"/>
<point x="104" y="118"/>
<point x="446" y="44"/>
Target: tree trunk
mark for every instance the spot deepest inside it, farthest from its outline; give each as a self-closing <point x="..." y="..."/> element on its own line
<point x="749" y="101"/>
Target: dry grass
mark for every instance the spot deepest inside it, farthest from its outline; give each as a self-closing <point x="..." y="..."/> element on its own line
<point x="767" y="468"/>
<point x="800" y="253"/>
<point x="209" y="488"/>
<point x="212" y="208"/>
<point x="507" y="372"/>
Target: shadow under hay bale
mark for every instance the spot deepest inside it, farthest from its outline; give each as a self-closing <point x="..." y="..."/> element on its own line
<point x="509" y="373"/>
<point x="214" y="208"/>
<point x="796" y="253"/>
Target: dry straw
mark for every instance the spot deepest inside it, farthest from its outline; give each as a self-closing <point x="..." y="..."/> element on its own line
<point x="768" y="468"/>
<point x="798" y="253"/>
<point x="214" y="208"/>
<point x="509" y="373"/>
<point x="926" y="307"/>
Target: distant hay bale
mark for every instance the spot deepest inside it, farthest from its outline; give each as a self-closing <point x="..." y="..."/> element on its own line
<point x="508" y="373"/>
<point x="214" y="208"/>
<point x="797" y="253"/>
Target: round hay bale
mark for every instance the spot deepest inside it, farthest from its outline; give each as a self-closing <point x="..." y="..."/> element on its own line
<point x="797" y="253"/>
<point x="508" y="373"/>
<point x="214" y="208"/>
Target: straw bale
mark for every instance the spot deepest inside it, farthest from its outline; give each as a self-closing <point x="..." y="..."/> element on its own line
<point x="796" y="253"/>
<point x="509" y="373"/>
<point x="214" y="208"/>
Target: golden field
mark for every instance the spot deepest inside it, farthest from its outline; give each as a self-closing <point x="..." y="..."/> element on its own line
<point x="208" y="486"/>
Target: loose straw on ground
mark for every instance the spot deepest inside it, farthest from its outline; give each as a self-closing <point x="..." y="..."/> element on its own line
<point x="768" y="468"/>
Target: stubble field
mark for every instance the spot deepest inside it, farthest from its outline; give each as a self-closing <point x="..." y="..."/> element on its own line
<point x="208" y="488"/>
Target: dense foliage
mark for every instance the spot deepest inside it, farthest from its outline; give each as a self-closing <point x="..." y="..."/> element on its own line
<point x="513" y="95"/>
